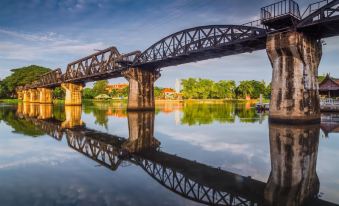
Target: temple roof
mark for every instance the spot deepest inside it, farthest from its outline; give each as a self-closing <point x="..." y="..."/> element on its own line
<point x="329" y="83"/>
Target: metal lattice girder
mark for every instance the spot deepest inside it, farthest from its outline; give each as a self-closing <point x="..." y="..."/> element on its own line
<point x="321" y="19"/>
<point x="101" y="65"/>
<point x="51" y="79"/>
<point x="201" y="43"/>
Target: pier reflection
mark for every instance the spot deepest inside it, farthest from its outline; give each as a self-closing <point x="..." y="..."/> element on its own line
<point x="73" y="117"/>
<point x="294" y="150"/>
<point x="293" y="179"/>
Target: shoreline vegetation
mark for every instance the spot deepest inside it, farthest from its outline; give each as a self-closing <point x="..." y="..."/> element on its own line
<point x="187" y="90"/>
<point x="193" y="101"/>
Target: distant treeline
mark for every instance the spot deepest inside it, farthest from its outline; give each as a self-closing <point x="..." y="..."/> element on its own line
<point x="193" y="88"/>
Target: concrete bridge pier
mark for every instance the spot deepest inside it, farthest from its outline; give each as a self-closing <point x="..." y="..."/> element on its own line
<point x="73" y="93"/>
<point x="141" y="88"/>
<point x="26" y="97"/>
<point x="293" y="178"/>
<point x="45" y="95"/>
<point x="295" y="58"/>
<point x="141" y="132"/>
<point x="20" y="95"/>
<point x="73" y="117"/>
<point x="34" y="96"/>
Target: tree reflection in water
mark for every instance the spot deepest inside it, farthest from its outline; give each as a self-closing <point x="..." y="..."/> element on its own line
<point x="293" y="148"/>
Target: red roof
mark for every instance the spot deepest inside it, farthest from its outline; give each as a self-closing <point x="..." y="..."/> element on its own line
<point x="117" y="86"/>
<point x="168" y="90"/>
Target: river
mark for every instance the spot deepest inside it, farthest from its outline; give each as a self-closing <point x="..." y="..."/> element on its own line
<point x="181" y="154"/>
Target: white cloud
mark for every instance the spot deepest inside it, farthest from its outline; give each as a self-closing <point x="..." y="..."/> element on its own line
<point x="208" y="143"/>
<point x="50" y="36"/>
<point x="53" y="160"/>
<point x="43" y="47"/>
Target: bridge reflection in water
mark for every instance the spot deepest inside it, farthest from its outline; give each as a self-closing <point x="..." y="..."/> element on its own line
<point x="294" y="148"/>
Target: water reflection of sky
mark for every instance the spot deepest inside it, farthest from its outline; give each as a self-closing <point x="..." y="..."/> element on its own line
<point x="43" y="171"/>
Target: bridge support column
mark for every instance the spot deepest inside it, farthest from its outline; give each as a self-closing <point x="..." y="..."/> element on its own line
<point x="293" y="178"/>
<point x="73" y="93"/>
<point x="141" y="132"/>
<point x="141" y="88"/>
<point x="20" y="95"/>
<point x="26" y="96"/>
<point x="34" y="96"/>
<point x="45" y="95"/>
<point x="295" y="59"/>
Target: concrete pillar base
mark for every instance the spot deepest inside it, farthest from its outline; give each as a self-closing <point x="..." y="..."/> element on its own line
<point x="141" y="88"/>
<point x="45" y="95"/>
<point x="34" y="96"/>
<point x="73" y="93"/>
<point x="20" y="95"/>
<point x="295" y="59"/>
<point x="293" y="179"/>
<point x="26" y="96"/>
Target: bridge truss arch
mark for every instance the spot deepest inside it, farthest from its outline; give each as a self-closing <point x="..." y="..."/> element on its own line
<point x="200" y="43"/>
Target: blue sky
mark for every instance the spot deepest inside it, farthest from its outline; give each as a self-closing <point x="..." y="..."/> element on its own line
<point x="53" y="33"/>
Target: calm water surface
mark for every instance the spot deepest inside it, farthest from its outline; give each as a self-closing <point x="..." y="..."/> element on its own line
<point x="183" y="154"/>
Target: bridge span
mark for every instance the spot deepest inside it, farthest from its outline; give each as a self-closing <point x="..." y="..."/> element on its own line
<point x="293" y="179"/>
<point x="292" y="40"/>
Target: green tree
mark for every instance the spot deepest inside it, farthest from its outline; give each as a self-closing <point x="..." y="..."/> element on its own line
<point x="258" y="88"/>
<point x="204" y="87"/>
<point x="267" y="93"/>
<point x="22" y="76"/>
<point x="119" y="93"/>
<point x="88" y="93"/>
<point x="58" y="93"/>
<point x="189" y="88"/>
<point x="100" y="87"/>
<point x="3" y="91"/>
<point x="224" y="89"/>
<point x="244" y="89"/>
<point x="158" y="92"/>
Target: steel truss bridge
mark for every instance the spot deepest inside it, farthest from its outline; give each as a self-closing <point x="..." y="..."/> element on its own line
<point x="320" y="20"/>
<point x="189" y="179"/>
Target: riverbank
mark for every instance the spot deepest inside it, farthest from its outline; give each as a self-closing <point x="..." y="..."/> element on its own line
<point x="9" y="101"/>
<point x="196" y="101"/>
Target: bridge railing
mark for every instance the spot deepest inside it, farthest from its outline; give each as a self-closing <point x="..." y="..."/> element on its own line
<point x="279" y="9"/>
<point x="329" y="102"/>
<point x="314" y="6"/>
<point x="255" y="23"/>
